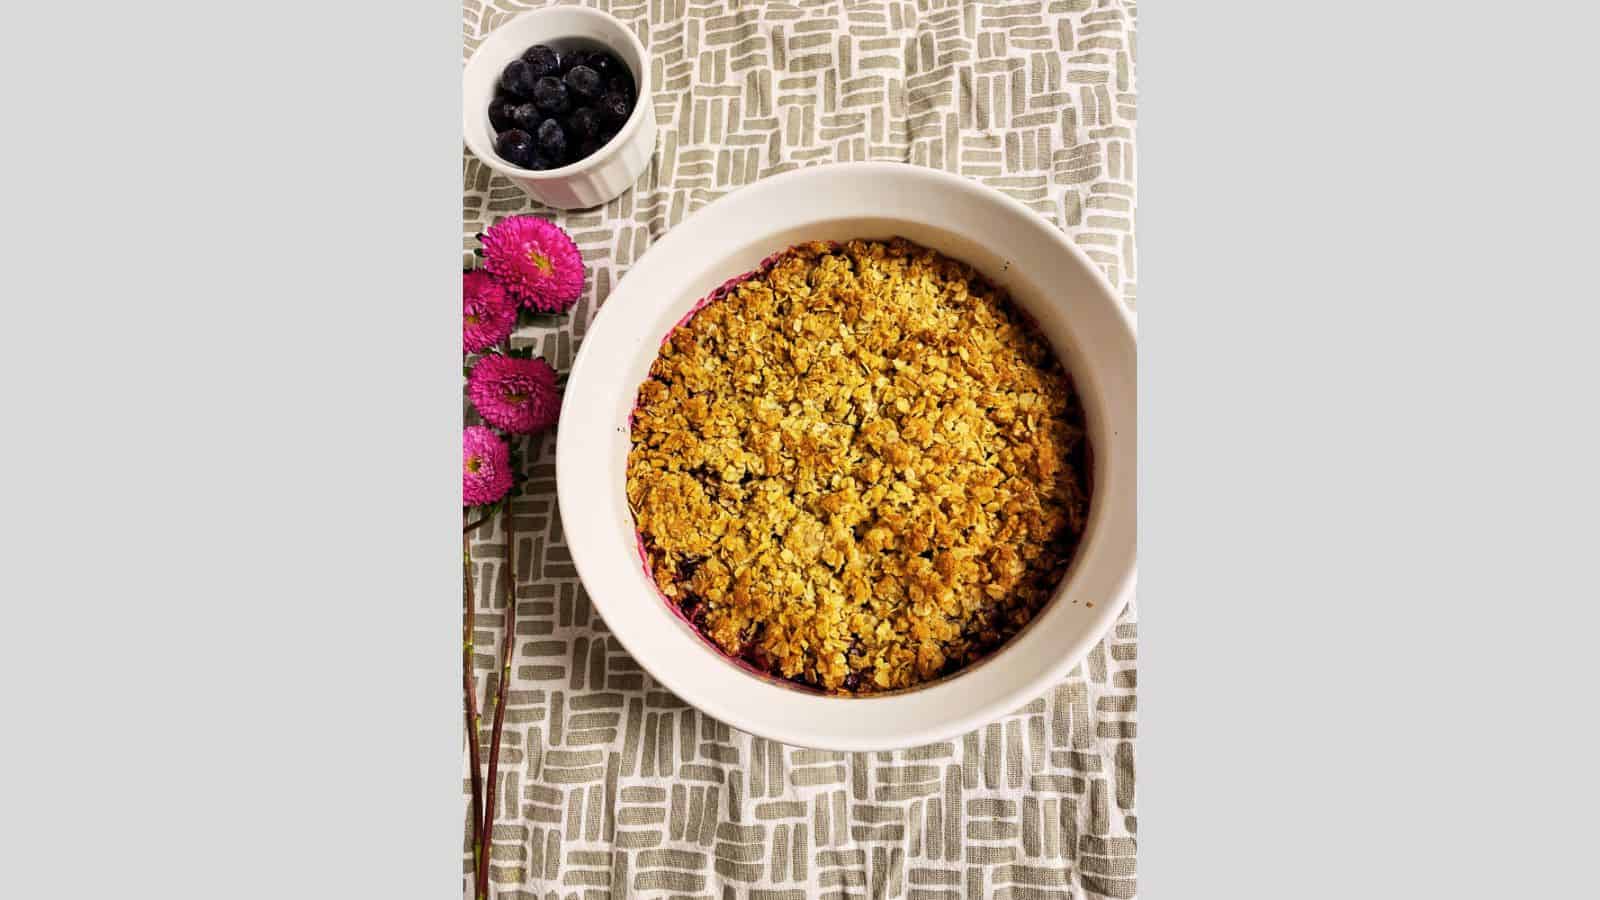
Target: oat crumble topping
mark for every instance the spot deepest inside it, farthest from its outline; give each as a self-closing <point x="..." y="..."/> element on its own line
<point x="860" y="469"/>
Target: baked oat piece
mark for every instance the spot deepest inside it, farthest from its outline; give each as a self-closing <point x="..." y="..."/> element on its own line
<point x="860" y="469"/>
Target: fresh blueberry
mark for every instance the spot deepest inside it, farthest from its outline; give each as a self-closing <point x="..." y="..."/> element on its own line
<point x="517" y="79"/>
<point x="607" y="65"/>
<point x="615" y="108"/>
<point x="583" y="82"/>
<point x="500" y="112"/>
<point x="526" y="116"/>
<point x="539" y="163"/>
<point x="583" y="123"/>
<point x="588" y="147"/>
<point x="621" y="84"/>
<point x="543" y="59"/>
<point x="515" y="146"/>
<point x="552" y="139"/>
<point x="550" y="95"/>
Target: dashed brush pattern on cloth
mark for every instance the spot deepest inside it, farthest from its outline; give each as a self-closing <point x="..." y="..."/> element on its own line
<point x="610" y="786"/>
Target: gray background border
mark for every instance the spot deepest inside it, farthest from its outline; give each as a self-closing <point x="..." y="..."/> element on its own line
<point x="1368" y="450"/>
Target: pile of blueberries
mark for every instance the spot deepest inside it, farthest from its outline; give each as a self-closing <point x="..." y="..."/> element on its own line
<point x="552" y="108"/>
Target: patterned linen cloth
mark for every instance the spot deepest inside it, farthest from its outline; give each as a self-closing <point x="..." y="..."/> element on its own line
<point x="612" y="787"/>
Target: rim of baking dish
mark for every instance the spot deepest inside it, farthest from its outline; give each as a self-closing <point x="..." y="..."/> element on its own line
<point x="1098" y="583"/>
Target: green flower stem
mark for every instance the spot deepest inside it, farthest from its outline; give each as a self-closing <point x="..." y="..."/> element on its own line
<point x="507" y="644"/>
<point x="472" y="710"/>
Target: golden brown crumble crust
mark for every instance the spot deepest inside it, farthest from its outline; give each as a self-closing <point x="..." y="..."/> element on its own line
<point x="860" y="469"/>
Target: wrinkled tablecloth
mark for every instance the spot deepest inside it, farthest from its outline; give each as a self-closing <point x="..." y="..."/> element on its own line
<point x="610" y="786"/>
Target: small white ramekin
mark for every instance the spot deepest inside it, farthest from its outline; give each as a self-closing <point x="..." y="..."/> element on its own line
<point x="613" y="168"/>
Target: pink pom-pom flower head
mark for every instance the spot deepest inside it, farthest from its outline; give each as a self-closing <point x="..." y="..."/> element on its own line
<point x="514" y="394"/>
<point x="486" y="466"/>
<point x="488" y="315"/>
<point x="536" y="262"/>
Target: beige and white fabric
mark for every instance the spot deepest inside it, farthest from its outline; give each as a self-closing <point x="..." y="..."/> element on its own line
<point x="610" y="786"/>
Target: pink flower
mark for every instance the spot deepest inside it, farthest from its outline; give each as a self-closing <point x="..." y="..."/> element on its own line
<point x="517" y="395"/>
<point x="488" y="315"/>
<point x="486" y="467"/>
<point x="536" y="261"/>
